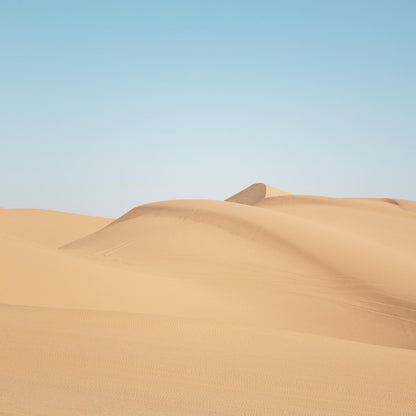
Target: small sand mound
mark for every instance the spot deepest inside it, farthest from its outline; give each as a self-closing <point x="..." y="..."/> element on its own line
<point x="256" y="193"/>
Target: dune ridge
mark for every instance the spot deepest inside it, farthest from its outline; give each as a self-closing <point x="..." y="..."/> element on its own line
<point x="266" y="303"/>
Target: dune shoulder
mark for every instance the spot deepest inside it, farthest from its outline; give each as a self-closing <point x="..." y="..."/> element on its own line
<point x="51" y="228"/>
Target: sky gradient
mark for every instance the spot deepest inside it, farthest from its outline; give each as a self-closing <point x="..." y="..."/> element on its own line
<point x="106" y="105"/>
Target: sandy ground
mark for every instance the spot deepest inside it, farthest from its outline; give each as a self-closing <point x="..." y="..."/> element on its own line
<point x="265" y="304"/>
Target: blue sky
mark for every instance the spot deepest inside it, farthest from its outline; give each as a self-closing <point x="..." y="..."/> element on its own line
<point x="106" y="105"/>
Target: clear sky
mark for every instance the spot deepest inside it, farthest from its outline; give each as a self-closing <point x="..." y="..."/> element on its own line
<point x="105" y="105"/>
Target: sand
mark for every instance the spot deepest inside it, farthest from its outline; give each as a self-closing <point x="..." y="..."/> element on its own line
<point x="267" y="303"/>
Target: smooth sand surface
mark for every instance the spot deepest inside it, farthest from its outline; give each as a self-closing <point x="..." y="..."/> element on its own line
<point x="268" y="303"/>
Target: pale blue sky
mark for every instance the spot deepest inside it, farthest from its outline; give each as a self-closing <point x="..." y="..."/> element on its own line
<point x="106" y="105"/>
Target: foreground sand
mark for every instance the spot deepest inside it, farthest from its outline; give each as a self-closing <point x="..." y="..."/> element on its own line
<point x="267" y="303"/>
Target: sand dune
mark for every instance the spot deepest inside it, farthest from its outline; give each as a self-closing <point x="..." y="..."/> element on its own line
<point x="266" y="303"/>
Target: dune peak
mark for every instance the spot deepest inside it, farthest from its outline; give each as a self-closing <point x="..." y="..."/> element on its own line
<point x="256" y="193"/>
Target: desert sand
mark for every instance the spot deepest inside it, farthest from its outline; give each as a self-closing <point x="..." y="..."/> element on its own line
<point x="268" y="303"/>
